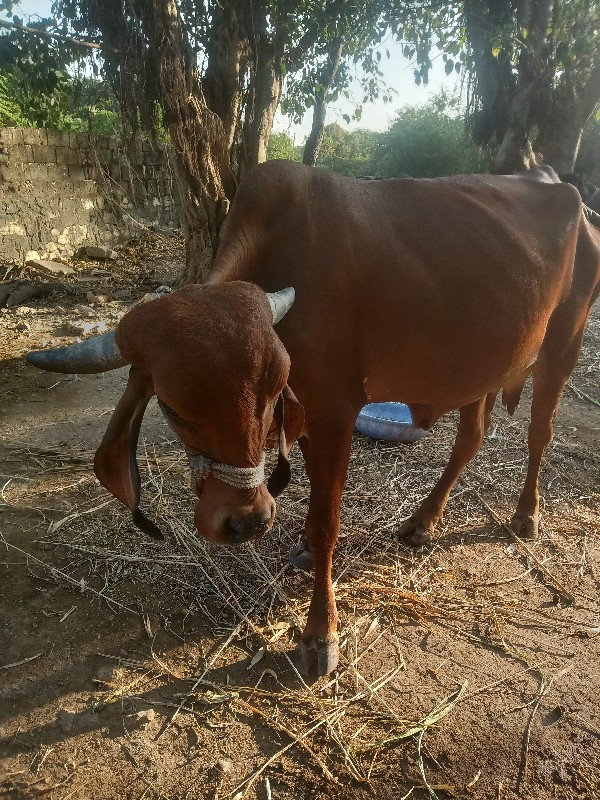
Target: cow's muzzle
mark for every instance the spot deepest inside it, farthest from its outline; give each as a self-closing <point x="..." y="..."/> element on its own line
<point x="250" y="526"/>
<point x="228" y="516"/>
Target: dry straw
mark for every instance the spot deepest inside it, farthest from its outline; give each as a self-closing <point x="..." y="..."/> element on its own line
<point x="509" y="609"/>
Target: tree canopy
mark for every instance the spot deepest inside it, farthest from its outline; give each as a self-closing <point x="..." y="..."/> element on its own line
<point x="212" y="73"/>
<point x="428" y="141"/>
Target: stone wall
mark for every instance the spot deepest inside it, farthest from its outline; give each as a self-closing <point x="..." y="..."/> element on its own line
<point x="60" y="190"/>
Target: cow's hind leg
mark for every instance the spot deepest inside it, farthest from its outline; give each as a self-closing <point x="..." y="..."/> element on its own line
<point x="474" y="421"/>
<point x="549" y="377"/>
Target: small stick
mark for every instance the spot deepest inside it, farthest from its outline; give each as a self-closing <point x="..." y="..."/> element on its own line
<point x="297" y="739"/>
<point x="68" y="578"/>
<point x="77" y="789"/>
<point x="242" y="788"/>
<point x="567" y="595"/>
<point x="18" y="663"/>
<point x="522" y="777"/>
<point x="583" y="395"/>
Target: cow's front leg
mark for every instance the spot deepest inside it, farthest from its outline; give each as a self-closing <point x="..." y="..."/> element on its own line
<point x="474" y="422"/>
<point x="330" y="443"/>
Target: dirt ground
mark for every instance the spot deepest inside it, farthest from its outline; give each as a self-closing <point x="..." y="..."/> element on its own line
<point x="131" y="669"/>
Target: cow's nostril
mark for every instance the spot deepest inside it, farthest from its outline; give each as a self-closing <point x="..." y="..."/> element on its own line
<point x="235" y="530"/>
<point x="240" y="529"/>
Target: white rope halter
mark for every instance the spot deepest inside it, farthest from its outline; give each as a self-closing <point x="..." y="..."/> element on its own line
<point x="241" y="477"/>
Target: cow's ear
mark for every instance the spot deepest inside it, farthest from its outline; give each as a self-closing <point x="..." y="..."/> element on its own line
<point x="115" y="463"/>
<point x="293" y="417"/>
<point x="289" y="418"/>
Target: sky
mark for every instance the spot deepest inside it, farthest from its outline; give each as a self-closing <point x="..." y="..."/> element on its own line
<point x="398" y="75"/>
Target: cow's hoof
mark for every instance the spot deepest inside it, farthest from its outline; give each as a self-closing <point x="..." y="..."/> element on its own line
<point x="525" y="526"/>
<point x="301" y="557"/>
<point x="322" y="654"/>
<point x="414" y="533"/>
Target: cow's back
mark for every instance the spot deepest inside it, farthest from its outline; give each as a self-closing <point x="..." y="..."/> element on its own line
<point x="397" y="280"/>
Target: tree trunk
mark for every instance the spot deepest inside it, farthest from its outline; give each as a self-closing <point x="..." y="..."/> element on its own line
<point x="559" y="142"/>
<point x="560" y="136"/>
<point x="492" y="77"/>
<point x="227" y="59"/>
<point x="515" y="153"/>
<point x="263" y="98"/>
<point x="326" y="81"/>
<point x="198" y="138"/>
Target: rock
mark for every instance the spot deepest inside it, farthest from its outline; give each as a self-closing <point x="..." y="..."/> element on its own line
<point x="49" y="267"/>
<point x="98" y="299"/>
<point x="27" y="292"/>
<point x="84" y="310"/>
<point x="101" y="253"/>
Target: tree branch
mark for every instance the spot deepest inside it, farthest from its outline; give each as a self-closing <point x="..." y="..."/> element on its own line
<point x="59" y="36"/>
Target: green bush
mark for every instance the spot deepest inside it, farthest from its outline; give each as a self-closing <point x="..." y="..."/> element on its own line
<point x="428" y="141"/>
<point x="281" y="146"/>
<point x="348" y="152"/>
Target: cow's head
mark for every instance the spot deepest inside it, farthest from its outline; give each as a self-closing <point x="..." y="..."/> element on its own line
<point x="212" y="358"/>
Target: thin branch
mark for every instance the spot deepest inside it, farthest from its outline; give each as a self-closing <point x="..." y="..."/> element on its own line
<point x="59" y="36"/>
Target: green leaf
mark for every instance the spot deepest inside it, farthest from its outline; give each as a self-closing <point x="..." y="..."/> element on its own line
<point x="449" y="66"/>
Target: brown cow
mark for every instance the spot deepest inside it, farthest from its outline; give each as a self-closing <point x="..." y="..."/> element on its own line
<point x="437" y="293"/>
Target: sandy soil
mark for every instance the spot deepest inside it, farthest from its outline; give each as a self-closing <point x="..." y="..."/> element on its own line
<point x="130" y="669"/>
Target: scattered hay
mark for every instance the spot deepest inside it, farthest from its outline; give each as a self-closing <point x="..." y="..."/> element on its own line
<point x="252" y="596"/>
<point x="523" y="607"/>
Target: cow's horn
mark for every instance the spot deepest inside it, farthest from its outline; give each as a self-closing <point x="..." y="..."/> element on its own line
<point x="97" y="354"/>
<point x="281" y="302"/>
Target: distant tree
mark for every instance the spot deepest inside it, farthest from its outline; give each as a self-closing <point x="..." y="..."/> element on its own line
<point x="281" y="146"/>
<point x="428" y="141"/>
<point x="348" y="152"/>
<point x="216" y="69"/>
<point x="10" y="110"/>
<point x="532" y="68"/>
<point x="34" y="73"/>
<point x="325" y="81"/>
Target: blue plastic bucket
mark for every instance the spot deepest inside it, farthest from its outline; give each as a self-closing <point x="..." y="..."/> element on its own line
<point x="391" y="422"/>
